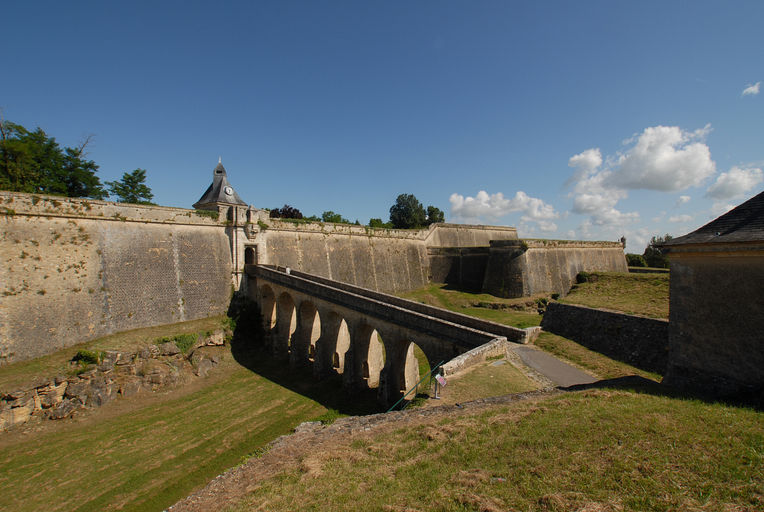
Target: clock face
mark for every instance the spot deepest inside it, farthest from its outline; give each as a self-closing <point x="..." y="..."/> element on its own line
<point x="228" y="191"/>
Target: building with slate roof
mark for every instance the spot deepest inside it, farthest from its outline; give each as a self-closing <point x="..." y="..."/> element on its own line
<point x="716" y="319"/>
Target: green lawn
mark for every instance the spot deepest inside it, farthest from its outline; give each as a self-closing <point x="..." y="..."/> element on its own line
<point x="148" y="451"/>
<point x="597" y="450"/>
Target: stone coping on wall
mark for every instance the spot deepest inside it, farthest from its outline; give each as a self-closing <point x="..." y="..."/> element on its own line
<point x="540" y="243"/>
<point x="423" y="234"/>
<point x="38" y="205"/>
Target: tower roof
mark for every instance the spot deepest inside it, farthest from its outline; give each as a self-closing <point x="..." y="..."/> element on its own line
<point x="742" y="224"/>
<point x="220" y="192"/>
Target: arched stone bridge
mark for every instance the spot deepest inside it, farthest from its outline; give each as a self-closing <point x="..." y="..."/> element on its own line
<point x="366" y="336"/>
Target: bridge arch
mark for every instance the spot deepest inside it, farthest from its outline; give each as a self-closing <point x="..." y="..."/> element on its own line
<point x="308" y="331"/>
<point x="368" y="359"/>
<point x="268" y="307"/>
<point x="286" y="324"/>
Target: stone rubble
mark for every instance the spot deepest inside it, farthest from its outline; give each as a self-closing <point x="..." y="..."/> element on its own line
<point x="122" y="374"/>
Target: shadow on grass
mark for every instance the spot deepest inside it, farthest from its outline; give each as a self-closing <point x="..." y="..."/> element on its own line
<point x="753" y="399"/>
<point x="249" y="350"/>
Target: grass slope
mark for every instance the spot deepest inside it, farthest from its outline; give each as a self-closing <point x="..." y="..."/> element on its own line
<point x="597" y="450"/>
<point x="146" y="458"/>
<point x="636" y="294"/>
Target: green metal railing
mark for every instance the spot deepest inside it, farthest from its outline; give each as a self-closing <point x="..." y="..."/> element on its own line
<point x="416" y="386"/>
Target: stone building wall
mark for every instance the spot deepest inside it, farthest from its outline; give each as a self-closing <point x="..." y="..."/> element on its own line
<point x="716" y="318"/>
<point x="74" y="270"/>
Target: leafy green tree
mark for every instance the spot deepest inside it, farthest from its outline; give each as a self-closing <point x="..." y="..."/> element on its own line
<point x="378" y="223"/>
<point x="654" y="255"/>
<point x="34" y="162"/>
<point x="330" y="216"/>
<point x="434" y="215"/>
<point x="131" y="188"/>
<point x="635" y="260"/>
<point x="407" y="212"/>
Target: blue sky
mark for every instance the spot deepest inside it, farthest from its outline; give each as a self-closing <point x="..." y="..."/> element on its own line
<point x="583" y="120"/>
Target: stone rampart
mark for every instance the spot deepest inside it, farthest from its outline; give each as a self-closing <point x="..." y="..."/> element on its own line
<point x="530" y="267"/>
<point x="463" y="267"/>
<point x="389" y="260"/>
<point x="75" y="269"/>
<point x="636" y="340"/>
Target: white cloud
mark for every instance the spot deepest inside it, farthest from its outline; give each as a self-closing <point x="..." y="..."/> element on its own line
<point x="752" y="90"/>
<point x="735" y="183"/>
<point x="682" y="200"/>
<point x="494" y="206"/>
<point x="680" y="218"/>
<point x="664" y="158"/>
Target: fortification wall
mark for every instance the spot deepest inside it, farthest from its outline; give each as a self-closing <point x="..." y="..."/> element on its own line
<point x="386" y="260"/>
<point x="460" y="266"/>
<point x="547" y="266"/>
<point x="73" y="270"/>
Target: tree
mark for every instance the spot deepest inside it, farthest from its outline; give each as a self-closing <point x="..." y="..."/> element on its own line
<point x="635" y="260"/>
<point x="434" y="215"/>
<point x="34" y="162"/>
<point x="407" y="213"/>
<point x="654" y="255"/>
<point x="330" y="216"/>
<point x="377" y="223"/>
<point x="131" y="188"/>
<point x="286" y="212"/>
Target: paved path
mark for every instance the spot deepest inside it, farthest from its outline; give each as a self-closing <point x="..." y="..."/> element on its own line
<point x="561" y="374"/>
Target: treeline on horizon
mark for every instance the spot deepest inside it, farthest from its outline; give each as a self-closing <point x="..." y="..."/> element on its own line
<point x="406" y="213"/>
<point x="33" y="162"/>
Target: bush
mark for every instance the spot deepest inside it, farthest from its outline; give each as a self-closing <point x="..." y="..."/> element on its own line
<point x="184" y="342"/>
<point x="88" y="356"/>
<point x="635" y="260"/>
<point x="585" y="277"/>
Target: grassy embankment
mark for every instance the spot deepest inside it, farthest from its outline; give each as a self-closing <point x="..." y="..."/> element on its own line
<point x="597" y="450"/>
<point x="635" y="294"/>
<point x="148" y="451"/>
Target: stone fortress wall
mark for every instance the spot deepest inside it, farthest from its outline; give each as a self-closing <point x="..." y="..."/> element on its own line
<point x="74" y="270"/>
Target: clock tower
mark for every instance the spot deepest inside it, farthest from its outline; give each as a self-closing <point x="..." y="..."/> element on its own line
<point x="220" y="193"/>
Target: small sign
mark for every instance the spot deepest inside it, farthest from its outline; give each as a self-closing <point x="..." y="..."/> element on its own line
<point x="441" y="380"/>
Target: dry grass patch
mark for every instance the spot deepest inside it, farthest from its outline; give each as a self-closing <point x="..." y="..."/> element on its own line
<point x="635" y="294"/>
<point x="491" y="378"/>
<point x="594" y="450"/>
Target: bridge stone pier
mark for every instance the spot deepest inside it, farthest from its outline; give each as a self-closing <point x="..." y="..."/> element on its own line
<point x="366" y="336"/>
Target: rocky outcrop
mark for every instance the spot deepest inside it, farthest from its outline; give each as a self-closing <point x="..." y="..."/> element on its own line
<point x="120" y="374"/>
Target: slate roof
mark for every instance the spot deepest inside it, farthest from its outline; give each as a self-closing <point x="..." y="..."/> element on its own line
<point x="742" y="224"/>
<point x="216" y="193"/>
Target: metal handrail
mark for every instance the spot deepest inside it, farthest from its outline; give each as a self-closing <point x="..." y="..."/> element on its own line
<point x="428" y="374"/>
